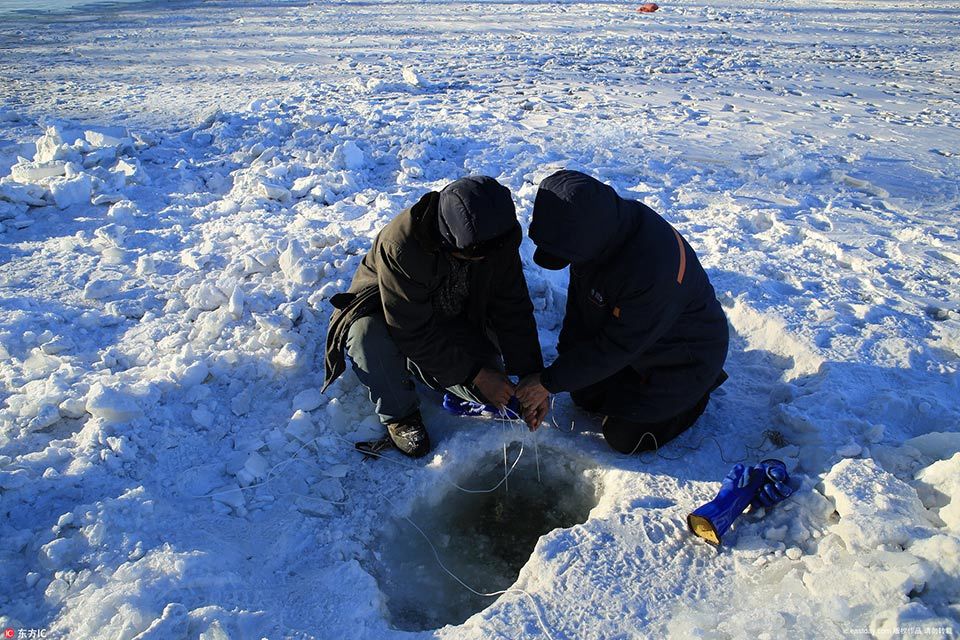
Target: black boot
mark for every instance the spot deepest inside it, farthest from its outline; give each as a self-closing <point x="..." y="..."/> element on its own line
<point x="409" y="435"/>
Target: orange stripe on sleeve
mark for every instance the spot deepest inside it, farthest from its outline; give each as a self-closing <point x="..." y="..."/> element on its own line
<point x="683" y="257"/>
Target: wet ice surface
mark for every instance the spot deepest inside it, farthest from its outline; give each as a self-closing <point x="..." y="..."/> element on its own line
<point x="59" y="9"/>
<point x="483" y="539"/>
<point x="181" y="192"/>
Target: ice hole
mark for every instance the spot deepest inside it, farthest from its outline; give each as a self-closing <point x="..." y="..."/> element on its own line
<point x="482" y="538"/>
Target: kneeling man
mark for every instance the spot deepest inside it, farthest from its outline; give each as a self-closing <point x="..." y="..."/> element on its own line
<point x="644" y="338"/>
<point x="440" y="295"/>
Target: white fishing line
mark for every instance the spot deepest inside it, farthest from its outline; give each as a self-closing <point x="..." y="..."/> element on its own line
<point x="536" y="454"/>
<point x="508" y="470"/>
<point x="436" y="556"/>
<point x="506" y="483"/>
<point x="553" y="418"/>
<point x="774" y="437"/>
<point x="409" y="465"/>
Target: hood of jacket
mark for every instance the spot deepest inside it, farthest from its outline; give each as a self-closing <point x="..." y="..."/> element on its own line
<point x="473" y="211"/>
<point x="580" y="219"/>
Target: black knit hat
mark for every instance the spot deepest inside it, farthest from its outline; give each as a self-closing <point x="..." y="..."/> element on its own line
<point x="476" y="213"/>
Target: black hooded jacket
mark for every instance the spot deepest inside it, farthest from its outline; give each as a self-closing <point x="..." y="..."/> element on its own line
<point x="405" y="269"/>
<point x="638" y="297"/>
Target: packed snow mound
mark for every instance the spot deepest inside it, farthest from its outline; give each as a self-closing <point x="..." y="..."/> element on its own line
<point x="865" y="555"/>
<point x="876" y="509"/>
<point x="939" y="489"/>
<point x="73" y="167"/>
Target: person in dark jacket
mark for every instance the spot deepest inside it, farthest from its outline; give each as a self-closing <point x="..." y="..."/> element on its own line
<point x="644" y="338"/>
<point x="441" y="294"/>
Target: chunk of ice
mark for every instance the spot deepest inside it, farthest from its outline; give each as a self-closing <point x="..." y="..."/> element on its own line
<point x="111" y="405"/>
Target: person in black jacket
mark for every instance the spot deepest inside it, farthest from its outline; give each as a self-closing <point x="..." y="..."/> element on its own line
<point x="440" y="294"/>
<point x="644" y="338"/>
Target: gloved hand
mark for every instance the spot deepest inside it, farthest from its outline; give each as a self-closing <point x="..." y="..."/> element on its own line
<point x="775" y="489"/>
<point x="460" y="407"/>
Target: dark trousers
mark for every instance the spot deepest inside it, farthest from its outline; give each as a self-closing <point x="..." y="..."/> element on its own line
<point x="388" y="374"/>
<point x="628" y="434"/>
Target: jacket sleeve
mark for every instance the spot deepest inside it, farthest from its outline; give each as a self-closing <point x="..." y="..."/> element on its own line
<point x="640" y="319"/>
<point x="511" y="317"/>
<point x="411" y="320"/>
<point x="571" y="326"/>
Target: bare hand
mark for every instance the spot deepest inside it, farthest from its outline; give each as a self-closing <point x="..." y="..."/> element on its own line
<point x="495" y="387"/>
<point x="530" y="392"/>
<point x="534" y="415"/>
<point x="535" y="400"/>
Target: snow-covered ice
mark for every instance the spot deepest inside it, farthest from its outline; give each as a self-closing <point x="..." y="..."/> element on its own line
<point x="183" y="187"/>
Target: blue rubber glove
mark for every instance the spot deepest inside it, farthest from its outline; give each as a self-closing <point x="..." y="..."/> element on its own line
<point x="763" y="484"/>
<point x="460" y="407"/>
<point x="774" y="490"/>
<point x="738" y="489"/>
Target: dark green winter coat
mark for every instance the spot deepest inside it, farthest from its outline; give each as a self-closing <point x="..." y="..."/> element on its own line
<point x="405" y="269"/>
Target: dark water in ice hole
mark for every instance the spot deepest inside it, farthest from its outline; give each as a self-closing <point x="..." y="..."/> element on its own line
<point x="485" y="539"/>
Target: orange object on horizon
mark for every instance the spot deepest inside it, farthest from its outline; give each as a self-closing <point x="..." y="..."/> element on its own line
<point x="648" y="7"/>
